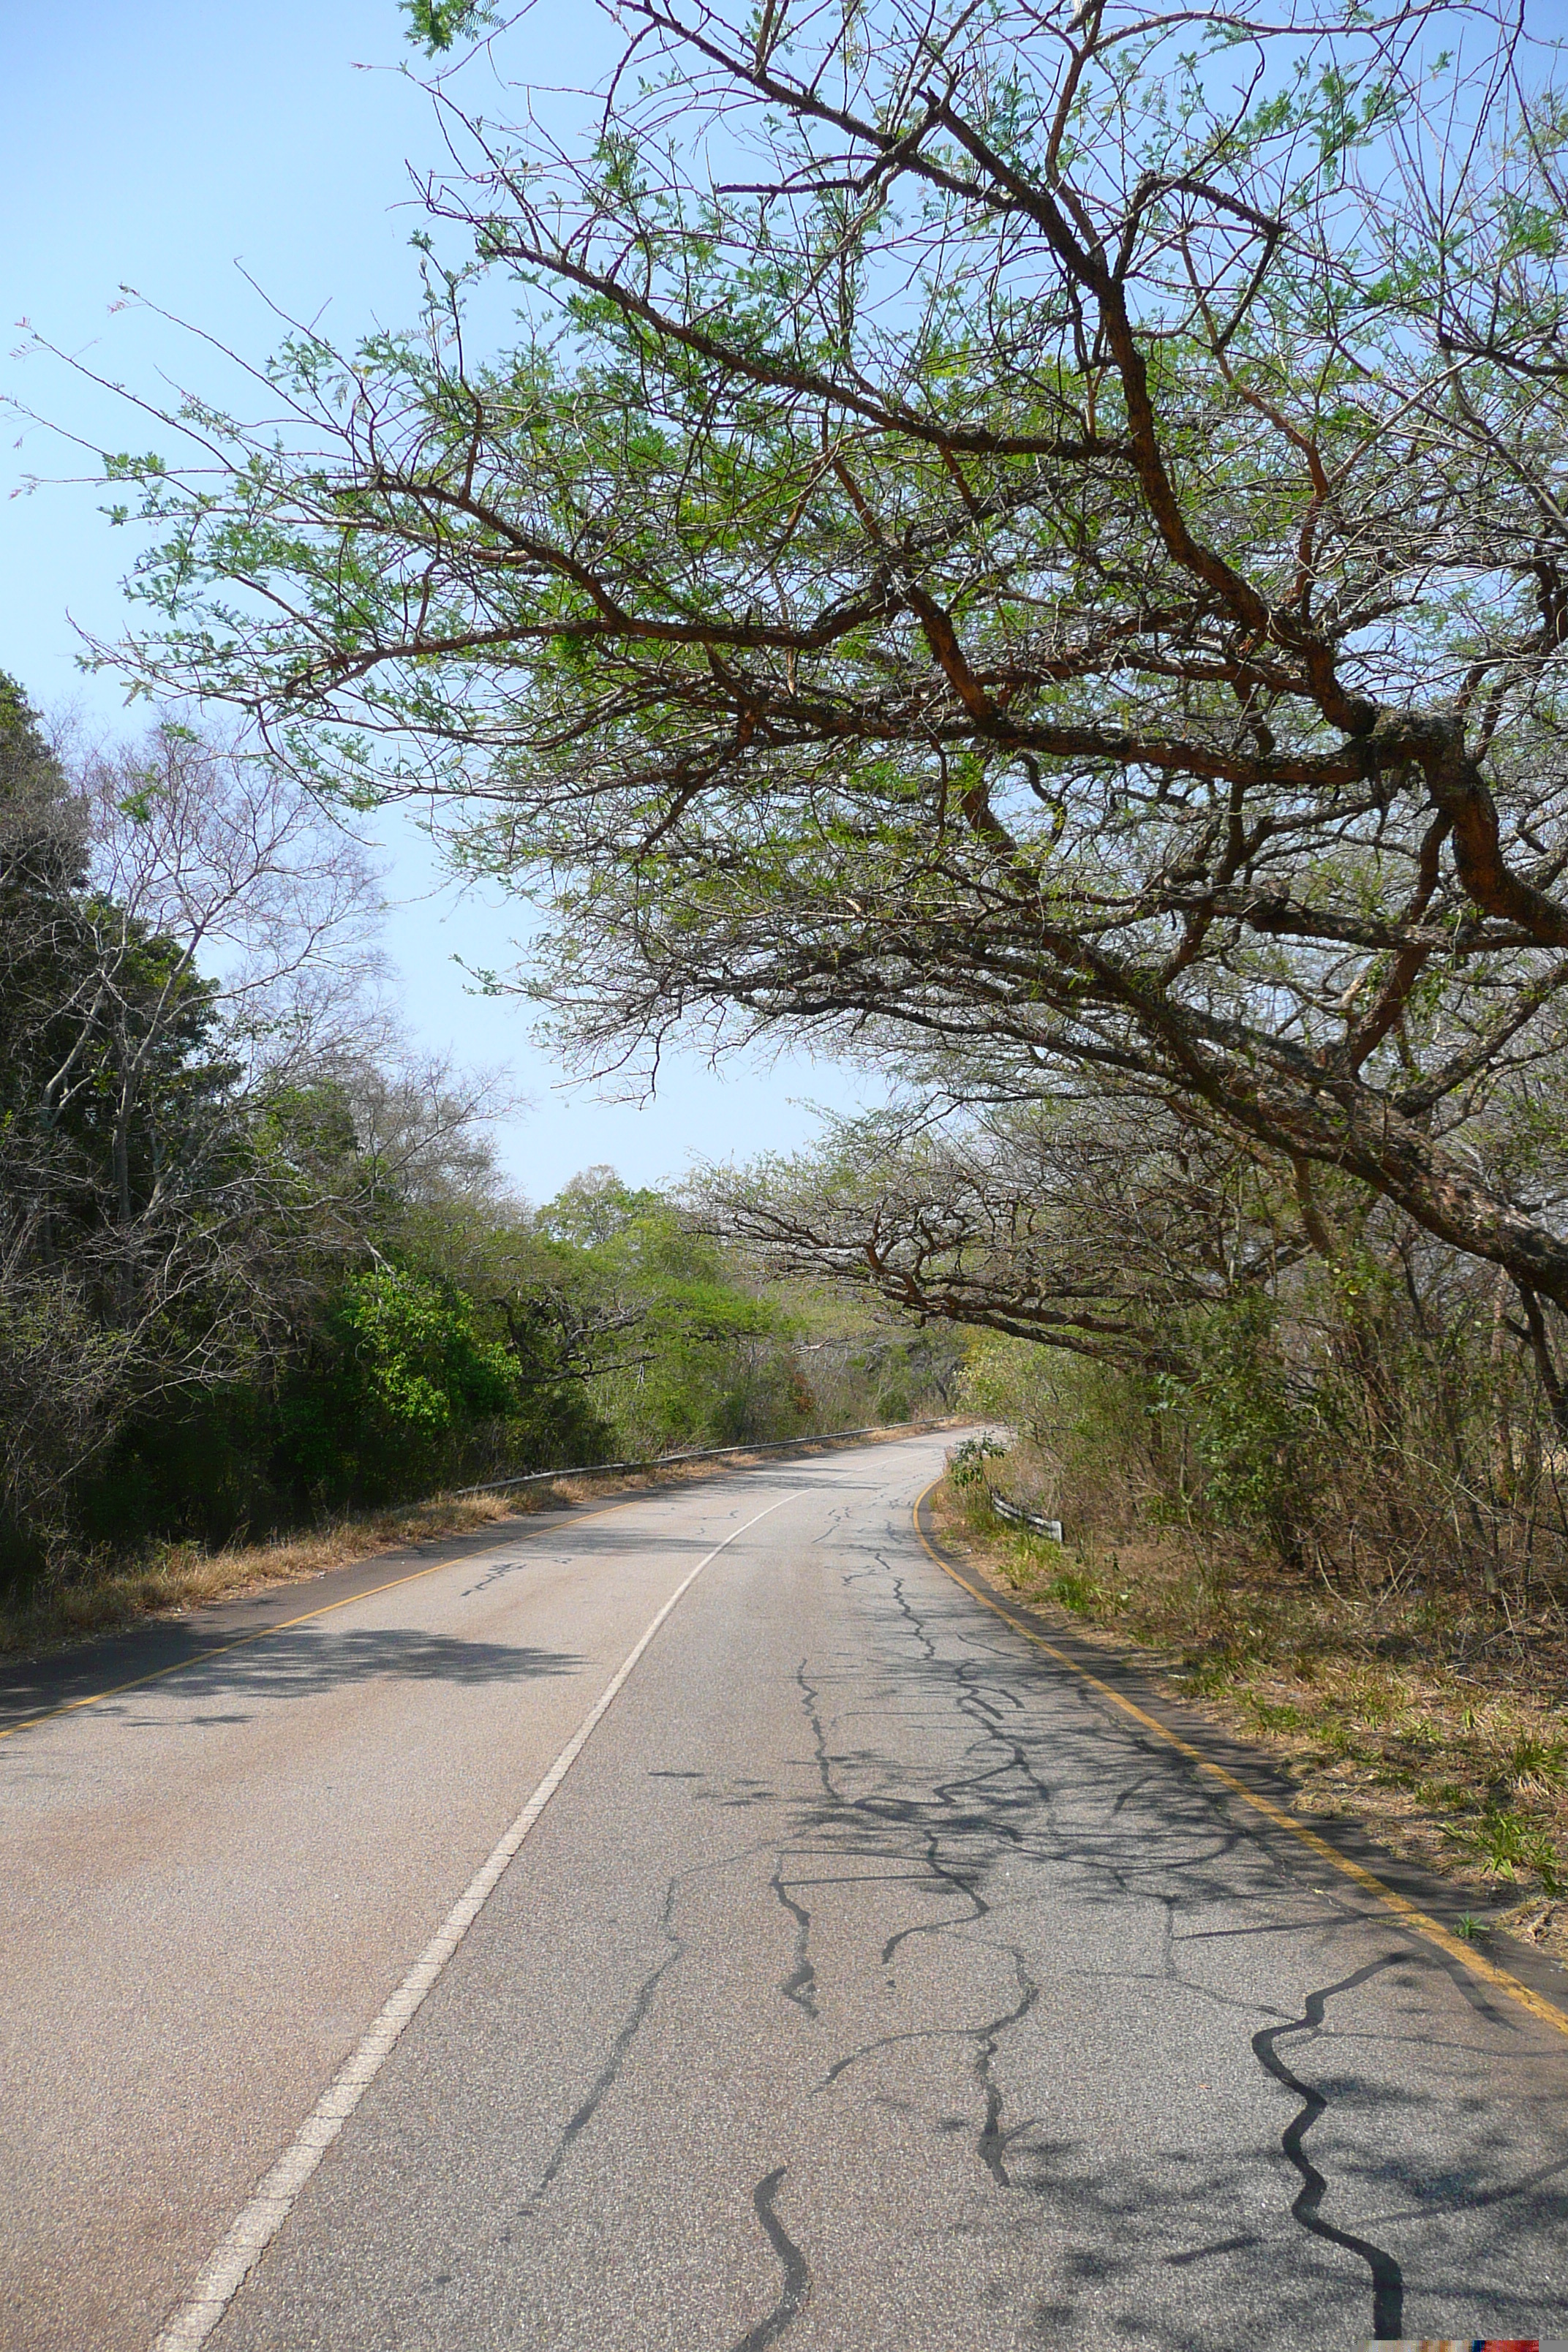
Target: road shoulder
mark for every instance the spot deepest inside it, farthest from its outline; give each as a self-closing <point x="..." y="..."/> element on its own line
<point x="1269" y="1802"/>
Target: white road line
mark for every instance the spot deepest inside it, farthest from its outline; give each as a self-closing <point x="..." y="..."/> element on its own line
<point x="269" y="2208"/>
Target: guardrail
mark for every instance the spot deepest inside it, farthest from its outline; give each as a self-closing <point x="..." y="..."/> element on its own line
<point x="1017" y="1516"/>
<point x="693" y="1454"/>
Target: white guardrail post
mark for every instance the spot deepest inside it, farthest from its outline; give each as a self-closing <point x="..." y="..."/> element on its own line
<point x="1017" y="1516"/>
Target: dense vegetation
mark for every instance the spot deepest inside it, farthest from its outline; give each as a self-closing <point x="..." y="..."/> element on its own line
<point x="1260" y="1359"/>
<point x="256" y="1266"/>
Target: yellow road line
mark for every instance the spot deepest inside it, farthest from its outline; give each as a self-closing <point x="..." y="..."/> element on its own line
<point x="1433" y="1929"/>
<point x="264" y="1633"/>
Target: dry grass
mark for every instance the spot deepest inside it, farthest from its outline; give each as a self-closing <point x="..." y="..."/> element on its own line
<point x="173" y="1578"/>
<point x="1437" y="1722"/>
<point x="179" y="1575"/>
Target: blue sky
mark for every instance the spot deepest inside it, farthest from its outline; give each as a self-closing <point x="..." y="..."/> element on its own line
<point x="156" y="146"/>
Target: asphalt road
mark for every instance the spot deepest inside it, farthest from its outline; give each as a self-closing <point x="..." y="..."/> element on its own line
<point x="868" y="1982"/>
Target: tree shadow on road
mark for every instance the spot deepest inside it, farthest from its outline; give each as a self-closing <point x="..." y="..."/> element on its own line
<point x="307" y="1660"/>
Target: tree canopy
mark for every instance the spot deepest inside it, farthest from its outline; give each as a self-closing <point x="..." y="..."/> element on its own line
<point x="1031" y="541"/>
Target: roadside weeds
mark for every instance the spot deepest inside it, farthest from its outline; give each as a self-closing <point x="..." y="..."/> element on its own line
<point x="175" y="1577"/>
<point x="1442" y="1733"/>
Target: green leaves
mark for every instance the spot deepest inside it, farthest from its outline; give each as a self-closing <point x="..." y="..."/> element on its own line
<point x="411" y="1352"/>
<point x="436" y="25"/>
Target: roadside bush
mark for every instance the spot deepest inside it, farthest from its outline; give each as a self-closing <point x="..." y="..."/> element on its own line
<point x="399" y="1379"/>
<point x="1359" y="1428"/>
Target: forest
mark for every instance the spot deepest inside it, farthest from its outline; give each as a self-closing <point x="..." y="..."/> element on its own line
<point x="256" y="1265"/>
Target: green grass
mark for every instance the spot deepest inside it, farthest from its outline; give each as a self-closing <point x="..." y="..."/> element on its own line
<point x="1509" y="1843"/>
<point x="1441" y="1796"/>
<point x="1075" y="1590"/>
<point x="1213" y="1677"/>
<point x="1276" y="1714"/>
<point x="1539" y="1759"/>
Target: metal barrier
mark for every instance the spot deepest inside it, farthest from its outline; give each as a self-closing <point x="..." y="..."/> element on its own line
<point x="1017" y="1516"/>
<point x="694" y="1453"/>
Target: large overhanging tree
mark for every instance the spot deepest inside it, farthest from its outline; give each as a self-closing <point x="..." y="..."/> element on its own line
<point x="1040" y="537"/>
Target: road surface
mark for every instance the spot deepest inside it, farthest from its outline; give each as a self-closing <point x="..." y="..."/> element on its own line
<point x="869" y="1981"/>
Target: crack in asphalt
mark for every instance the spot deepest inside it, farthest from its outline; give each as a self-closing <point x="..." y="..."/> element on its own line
<point x="892" y="2041"/>
<point x="916" y="1623"/>
<point x="992" y="2142"/>
<point x="631" y="2026"/>
<point x="898" y="1814"/>
<point x="960" y="1881"/>
<point x="1171" y="1977"/>
<point x="956" y="1832"/>
<point x="800" y="1985"/>
<point x="1387" y="2279"/>
<point x="988" y="1798"/>
<point x="1026" y="2136"/>
<point x="796" y="2277"/>
<point x="811" y="1699"/>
